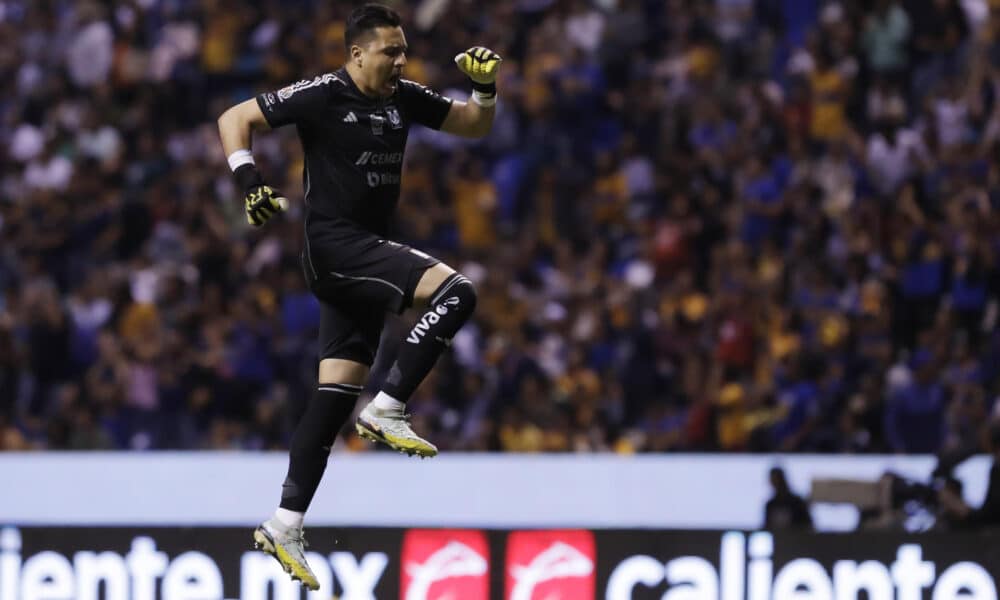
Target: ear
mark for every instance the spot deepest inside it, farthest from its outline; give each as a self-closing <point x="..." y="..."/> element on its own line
<point x="356" y="54"/>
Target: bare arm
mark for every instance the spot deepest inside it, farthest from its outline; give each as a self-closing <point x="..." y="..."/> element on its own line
<point x="236" y="127"/>
<point x="469" y="119"/>
<point x="237" y="124"/>
<point x="475" y="117"/>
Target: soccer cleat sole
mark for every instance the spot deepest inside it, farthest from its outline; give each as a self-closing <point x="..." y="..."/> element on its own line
<point x="297" y="572"/>
<point x="409" y="449"/>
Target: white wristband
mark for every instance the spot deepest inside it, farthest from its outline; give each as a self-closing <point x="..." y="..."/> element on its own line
<point x="239" y="158"/>
<point x="482" y="99"/>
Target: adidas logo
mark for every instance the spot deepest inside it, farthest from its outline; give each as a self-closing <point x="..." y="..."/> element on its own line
<point x="350" y="118"/>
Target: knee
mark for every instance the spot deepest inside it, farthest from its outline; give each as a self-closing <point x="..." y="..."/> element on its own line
<point x="470" y="295"/>
<point x="461" y="298"/>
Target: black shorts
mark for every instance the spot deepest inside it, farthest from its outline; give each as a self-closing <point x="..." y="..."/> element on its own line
<point x="358" y="277"/>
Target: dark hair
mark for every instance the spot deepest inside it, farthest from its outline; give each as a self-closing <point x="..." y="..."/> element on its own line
<point x="367" y="18"/>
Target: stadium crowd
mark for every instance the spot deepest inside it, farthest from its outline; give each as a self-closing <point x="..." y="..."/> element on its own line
<point x="728" y="225"/>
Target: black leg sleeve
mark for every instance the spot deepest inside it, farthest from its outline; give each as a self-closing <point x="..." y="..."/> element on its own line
<point x="330" y="407"/>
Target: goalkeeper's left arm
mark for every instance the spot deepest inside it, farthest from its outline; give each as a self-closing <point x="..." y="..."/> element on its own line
<point x="475" y="118"/>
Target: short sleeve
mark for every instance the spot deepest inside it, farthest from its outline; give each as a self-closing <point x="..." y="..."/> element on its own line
<point x="422" y="104"/>
<point x="297" y="102"/>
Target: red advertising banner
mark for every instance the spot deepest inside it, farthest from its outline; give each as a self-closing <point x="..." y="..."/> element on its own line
<point x="445" y="563"/>
<point x="550" y="565"/>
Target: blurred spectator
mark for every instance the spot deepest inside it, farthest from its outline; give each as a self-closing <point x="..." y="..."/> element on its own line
<point x="785" y="510"/>
<point x="960" y="515"/>
<point x="886" y="33"/>
<point x="915" y="412"/>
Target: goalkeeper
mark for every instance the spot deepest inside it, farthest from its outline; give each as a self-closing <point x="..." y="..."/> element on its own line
<point x="353" y="125"/>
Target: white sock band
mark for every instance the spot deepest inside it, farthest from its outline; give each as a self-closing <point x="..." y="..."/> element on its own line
<point x="483" y="99"/>
<point x="240" y="158"/>
<point x="289" y="518"/>
<point x="386" y="402"/>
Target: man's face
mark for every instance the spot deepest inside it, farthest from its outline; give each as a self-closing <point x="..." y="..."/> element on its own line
<point x="383" y="57"/>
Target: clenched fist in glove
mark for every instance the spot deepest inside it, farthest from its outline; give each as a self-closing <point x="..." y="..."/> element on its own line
<point x="481" y="65"/>
<point x="261" y="201"/>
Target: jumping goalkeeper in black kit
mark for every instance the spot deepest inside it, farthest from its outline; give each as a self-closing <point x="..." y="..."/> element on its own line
<point x="353" y="125"/>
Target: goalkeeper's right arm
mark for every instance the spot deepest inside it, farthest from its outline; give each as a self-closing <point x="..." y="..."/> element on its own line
<point x="237" y="123"/>
<point x="235" y="128"/>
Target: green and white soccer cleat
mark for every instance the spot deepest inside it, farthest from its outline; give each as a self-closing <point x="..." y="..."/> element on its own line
<point x="287" y="546"/>
<point x="392" y="427"/>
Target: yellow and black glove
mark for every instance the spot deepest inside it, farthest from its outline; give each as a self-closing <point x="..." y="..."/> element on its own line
<point x="481" y="65"/>
<point x="261" y="201"/>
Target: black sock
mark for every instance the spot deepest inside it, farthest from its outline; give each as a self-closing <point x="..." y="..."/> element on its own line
<point x="450" y="307"/>
<point x="328" y="410"/>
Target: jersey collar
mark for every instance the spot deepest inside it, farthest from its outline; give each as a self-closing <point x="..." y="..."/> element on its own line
<point x="342" y="72"/>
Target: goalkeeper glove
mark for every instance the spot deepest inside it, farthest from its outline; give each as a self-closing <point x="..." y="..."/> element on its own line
<point x="261" y="201"/>
<point x="481" y="65"/>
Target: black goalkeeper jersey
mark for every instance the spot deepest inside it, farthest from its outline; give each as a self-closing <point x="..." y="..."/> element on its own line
<point x="353" y="143"/>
